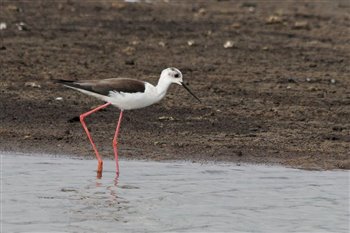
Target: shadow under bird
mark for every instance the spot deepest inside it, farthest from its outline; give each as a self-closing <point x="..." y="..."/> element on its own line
<point x="126" y="94"/>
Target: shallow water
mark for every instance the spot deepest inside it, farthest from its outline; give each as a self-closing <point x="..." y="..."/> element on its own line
<point x="43" y="193"/>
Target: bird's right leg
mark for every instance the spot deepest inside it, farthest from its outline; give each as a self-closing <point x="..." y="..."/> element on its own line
<point x="99" y="159"/>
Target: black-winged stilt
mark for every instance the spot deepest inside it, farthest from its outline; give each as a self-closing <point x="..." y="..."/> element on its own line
<point x="126" y="94"/>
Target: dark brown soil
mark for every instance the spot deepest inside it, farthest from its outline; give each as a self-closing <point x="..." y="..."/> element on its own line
<point x="279" y="95"/>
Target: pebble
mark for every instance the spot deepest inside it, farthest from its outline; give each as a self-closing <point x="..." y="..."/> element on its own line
<point x="59" y="98"/>
<point x="22" y="26"/>
<point x="32" y="84"/>
<point x="274" y="19"/>
<point x="301" y="25"/>
<point x="229" y="44"/>
<point x="166" y="118"/>
<point x="236" y="25"/>
<point x="190" y="42"/>
<point x="333" y="81"/>
<point x="129" y="50"/>
<point x="3" y="26"/>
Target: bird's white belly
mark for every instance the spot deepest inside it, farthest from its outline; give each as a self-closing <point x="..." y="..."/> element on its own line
<point x="128" y="101"/>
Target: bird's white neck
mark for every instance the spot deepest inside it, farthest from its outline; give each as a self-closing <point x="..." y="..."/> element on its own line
<point x="162" y="87"/>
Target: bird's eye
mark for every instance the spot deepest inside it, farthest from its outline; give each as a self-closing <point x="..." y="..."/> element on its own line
<point x="176" y="75"/>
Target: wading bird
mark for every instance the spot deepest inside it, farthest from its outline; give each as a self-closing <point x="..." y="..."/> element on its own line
<point x="126" y="94"/>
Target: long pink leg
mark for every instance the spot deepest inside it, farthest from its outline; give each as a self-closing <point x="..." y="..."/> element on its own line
<point x="115" y="142"/>
<point x="99" y="159"/>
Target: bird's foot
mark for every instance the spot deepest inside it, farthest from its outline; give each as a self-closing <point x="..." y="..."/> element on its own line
<point x="99" y="169"/>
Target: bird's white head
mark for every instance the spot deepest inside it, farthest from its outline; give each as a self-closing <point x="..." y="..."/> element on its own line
<point x="173" y="75"/>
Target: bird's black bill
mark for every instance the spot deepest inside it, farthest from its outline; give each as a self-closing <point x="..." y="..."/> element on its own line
<point x="190" y="92"/>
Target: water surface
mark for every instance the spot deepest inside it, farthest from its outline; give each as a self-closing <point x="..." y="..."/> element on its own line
<point x="45" y="193"/>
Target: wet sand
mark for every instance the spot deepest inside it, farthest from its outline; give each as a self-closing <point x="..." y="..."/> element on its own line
<point x="49" y="194"/>
<point x="279" y="94"/>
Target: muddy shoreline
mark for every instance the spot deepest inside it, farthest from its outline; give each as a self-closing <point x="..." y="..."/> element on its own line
<point x="278" y="93"/>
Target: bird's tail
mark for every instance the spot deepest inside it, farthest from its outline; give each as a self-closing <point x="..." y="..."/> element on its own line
<point x="63" y="81"/>
<point x="67" y="83"/>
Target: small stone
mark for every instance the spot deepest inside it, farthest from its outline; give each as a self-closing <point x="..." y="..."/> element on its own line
<point x="190" y="42"/>
<point x="301" y="25"/>
<point x="308" y="80"/>
<point x="265" y="48"/>
<point x="161" y="44"/>
<point x="166" y="118"/>
<point x="289" y="87"/>
<point x="274" y="19"/>
<point x="333" y="81"/>
<point x="32" y="84"/>
<point x="202" y="11"/>
<point x="229" y="44"/>
<point x="59" y="98"/>
<point x="251" y="9"/>
<point x="135" y="42"/>
<point x="13" y="8"/>
<point x="129" y="50"/>
<point x="3" y="26"/>
<point x="313" y="89"/>
<point x="236" y="25"/>
<point x="22" y="26"/>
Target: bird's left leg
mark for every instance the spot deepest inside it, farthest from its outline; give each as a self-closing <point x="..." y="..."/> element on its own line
<point x="82" y="117"/>
<point x="115" y="142"/>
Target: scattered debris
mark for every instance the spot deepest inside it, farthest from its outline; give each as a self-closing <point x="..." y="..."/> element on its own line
<point x="14" y="8"/>
<point x="313" y="89"/>
<point x="236" y="25"/>
<point x="32" y="84"/>
<point x="3" y="26"/>
<point x="166" y="118"/>
<point x="301" y="25"/>
<point x="190" y="42"/>
<point x="135" y="42"/>
<point x="251" y="9"/>
<point x="161" y="44"/>
<point x="129" y="50"/>
<point x="200" y="12"/>
<point x="274" y="19"/>
<point x="22" y="26"/>
<point x="229" y="44"/>
<point x="59" y="98"/>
